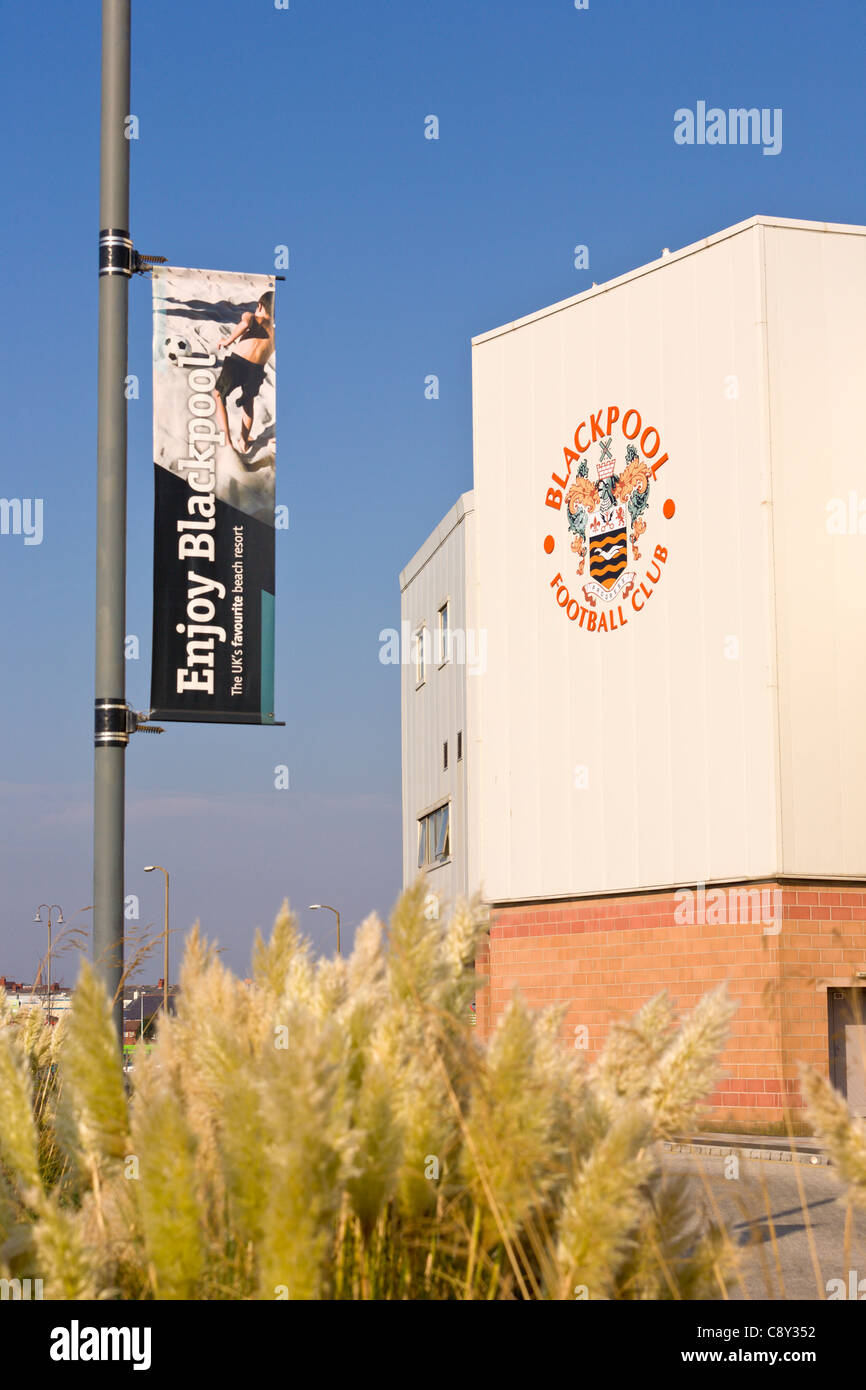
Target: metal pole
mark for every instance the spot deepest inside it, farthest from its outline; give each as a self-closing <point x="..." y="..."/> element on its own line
<point x="148" y="869"/>
<point x="165" y="964"/>
<point x="57" y="924"/>
<point x="111" y="736"/>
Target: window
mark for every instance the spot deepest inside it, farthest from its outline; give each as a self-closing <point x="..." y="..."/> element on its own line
<point x="420" y="654"/>
<point x="434" y="838"/>
<point x="445" y="756"/>
<point x="443" y="651"/>
<point x="459" y="744"/>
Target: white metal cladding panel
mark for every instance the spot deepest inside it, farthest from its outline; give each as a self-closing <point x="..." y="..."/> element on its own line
<point x="677" y="738"/>
<point x="816" y="311"/>
<point x="457" y="669"/>
<point x="472" y="743"/>
<point x="435" y="712"/>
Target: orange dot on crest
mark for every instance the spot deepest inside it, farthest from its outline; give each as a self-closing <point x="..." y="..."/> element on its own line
<point x="669" y="508"/>
<point x="549" y="543"/>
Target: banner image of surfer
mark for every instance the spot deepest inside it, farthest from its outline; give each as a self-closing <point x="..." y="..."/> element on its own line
<point x="214" y="389"/>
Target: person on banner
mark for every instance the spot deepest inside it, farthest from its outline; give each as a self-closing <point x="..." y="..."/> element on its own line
<point x="245" y="367"/>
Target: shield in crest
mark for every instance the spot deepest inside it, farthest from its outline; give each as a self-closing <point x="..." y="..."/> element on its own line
<point x="608" y="547"/>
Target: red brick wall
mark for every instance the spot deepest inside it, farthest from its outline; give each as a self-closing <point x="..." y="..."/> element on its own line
<point x="605" y="957"/>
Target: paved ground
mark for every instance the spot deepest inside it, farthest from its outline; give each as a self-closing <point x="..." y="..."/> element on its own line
<point x="756" y="1146"/>
<point x="766" y="1199"/>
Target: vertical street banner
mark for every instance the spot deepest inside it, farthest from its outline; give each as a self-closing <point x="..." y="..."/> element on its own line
<point x="214" y="441"/>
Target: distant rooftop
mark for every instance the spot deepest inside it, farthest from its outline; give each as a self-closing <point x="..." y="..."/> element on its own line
<point x="17" y="987"/>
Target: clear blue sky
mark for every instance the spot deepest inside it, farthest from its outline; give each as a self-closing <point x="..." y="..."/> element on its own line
<point x="260" y="127"/>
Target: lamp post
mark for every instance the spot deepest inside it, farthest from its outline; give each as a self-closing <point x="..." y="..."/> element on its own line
<point x="315" y="907"/>
<point x="116" y="263"/>
<point x="148" y="869"/>
<point x="59" y="923"/>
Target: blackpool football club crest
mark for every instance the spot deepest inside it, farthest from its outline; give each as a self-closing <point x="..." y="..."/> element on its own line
<point x="610" y="512"/>
<point x="608" y="537"/>
<point x="607" y="517"/>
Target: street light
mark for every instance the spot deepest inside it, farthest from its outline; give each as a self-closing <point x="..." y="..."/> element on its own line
<point x="59" y="923"/>
<point x="148" y="869"/>
<point x="314" y="907"/>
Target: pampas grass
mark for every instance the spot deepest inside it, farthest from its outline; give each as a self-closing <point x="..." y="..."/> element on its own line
<point x="844" y="1135"/>
<point x="333" y="1129"/>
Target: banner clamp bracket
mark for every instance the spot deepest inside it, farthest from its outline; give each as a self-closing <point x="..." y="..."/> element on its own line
<point x="115" y="720"/>
<point x="143" y="265"/>
<point x="139" y="723"/>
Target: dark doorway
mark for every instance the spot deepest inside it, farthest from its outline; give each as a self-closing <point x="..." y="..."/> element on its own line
<point x="846" y="1009"/>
